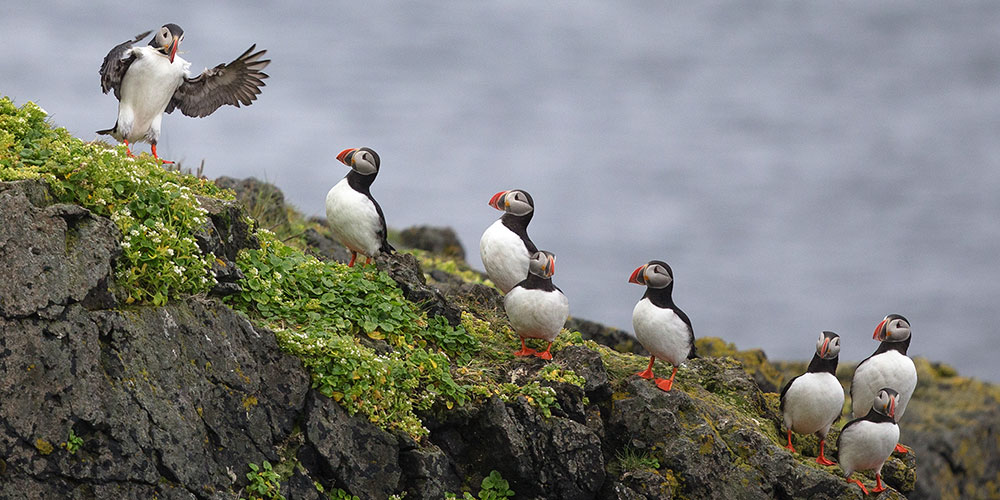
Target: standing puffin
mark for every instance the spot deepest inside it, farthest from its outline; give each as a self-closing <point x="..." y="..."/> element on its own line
<point x="813" y="401"/>
<point x="151" y="80"/>
<point x="505" y="247"/>
<point x="661" y="327"/>
<point x="355" y="217"/>
<point x="537" y="309"/>
<point x="865" y="443"/>
<point x="888" y="366"/>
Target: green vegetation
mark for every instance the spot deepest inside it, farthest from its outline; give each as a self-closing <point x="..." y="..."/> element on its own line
<point x="631" y="460"/>
<point x="73" y="443"/>
<point x="156" y="210"/>
<point x="493" y="487"/>
<point x="264" y="483"/>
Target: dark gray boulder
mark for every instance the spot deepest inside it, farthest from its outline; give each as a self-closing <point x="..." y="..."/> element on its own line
<point x="52" y="255"/>
<point x="438" y="240"/>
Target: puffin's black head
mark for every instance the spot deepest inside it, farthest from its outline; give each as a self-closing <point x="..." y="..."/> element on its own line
<point x="828" y="345"/>
<point x="894" y="328"/>
<point x="885" y="402"/>
<point x="654" y="274"/>
<point x="542" y="263"/>
<point x="364" y="161"/>
<point x="167" y="39"/>
<point x="514" y="201"/>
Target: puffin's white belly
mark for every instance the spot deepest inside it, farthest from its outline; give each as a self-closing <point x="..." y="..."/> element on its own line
<point x="146" y="88"/>
<point x="536" y="314"/>
<point x="353" y="219"/>
<point x="812" y="403"/>
<point x="866" y="445"/>
<point x="889" y="369"/>
<point x="504" y="256"/>
<point x="662" y="332"/>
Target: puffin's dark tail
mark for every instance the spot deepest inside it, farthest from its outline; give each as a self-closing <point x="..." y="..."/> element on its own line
<point x="386" y="247"/>
<point x="106" y="131"/>
<point x="692" y="354"/>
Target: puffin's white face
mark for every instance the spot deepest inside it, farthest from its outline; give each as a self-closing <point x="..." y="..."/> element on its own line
<point x="655" y="274"/>
<point x="517" y="202"/>
<point x="885" y="402"/>
<point x="828" y="345"/>
<point x="364" y="161"/>
<point x="894" y="328"/>
<point x="542" y="264"/>
<point x="167" y="39"/>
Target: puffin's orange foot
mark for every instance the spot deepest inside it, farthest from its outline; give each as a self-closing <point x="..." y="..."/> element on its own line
<point x="823" y="460"/>
<point x="525" y="351"/>
<point x="544" y="354"/>
<point x="664" y="383"/>
<point x="901" y="449"/>
<point x="857" y="482"/>
<point x="153" y="148"/>
<point x="879" y="487"/>
<point x="790" y="448"/>
<point x="647" y="374"/>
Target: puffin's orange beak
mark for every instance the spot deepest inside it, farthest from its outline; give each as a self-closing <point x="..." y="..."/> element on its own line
<point x="879" y="330"/>
<point x="892" y="407"/>
<point x="173" y="49"/>
<point x="495" y="200"/>
<point x="822" y="350"/>
<point x="637" y="276"/>
<point x="552" y="266"/>
<point x="343" y="155"/>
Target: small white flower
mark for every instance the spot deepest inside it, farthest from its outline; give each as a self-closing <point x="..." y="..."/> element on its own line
<point x="126" y="245"/>
<point x="170" y="252"/>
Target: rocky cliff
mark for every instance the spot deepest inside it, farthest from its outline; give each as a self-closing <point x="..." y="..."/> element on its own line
<point x="157" y="342"/>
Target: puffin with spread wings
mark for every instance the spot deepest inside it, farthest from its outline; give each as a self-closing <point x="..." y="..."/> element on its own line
<point x="150" y="80"/>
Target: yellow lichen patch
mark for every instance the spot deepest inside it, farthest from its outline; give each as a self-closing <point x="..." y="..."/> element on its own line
<point x="44" y="447"/>
<point x="249" y="402"/>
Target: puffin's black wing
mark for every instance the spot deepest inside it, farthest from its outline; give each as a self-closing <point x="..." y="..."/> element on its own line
<point x="236" y="83"/>
<point x="114" y="67"/>
<point x="687" y="321"/>
<point x="382" y="233"/>
<point x="784" y="389"/>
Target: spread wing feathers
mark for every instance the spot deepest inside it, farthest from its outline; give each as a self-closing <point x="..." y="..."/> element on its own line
<point x="114" y="66"/>
<point x="236" y="83"/>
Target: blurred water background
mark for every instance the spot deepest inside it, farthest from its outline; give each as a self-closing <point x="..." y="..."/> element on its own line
<point x="802" y="166"/>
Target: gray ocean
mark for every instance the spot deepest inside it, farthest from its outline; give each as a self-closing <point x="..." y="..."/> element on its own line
<point x="802" y="166"/>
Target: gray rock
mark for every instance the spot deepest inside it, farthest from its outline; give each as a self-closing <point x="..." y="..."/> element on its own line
<point x="52" y="255"/>
<point x="175" y="400"/>
<point x="614" y="338"/>
<point x="263" y="200"/>
<point x="349" y="452"/>
<point x="552" y="458"/>
<point x="406" y="271"/>
<point x="439" y="240"/>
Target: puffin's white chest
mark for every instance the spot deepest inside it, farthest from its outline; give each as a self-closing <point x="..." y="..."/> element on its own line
<point x="353" y="219"/>
<point x="866" y="445"/>
<point x="504" y="256"/>
<point x="812" y="403"/>
<point x="888" y="369"/>
<point x="535" y="313"/>
<point x="146" y="88"/>
<point x="662" y="332"/>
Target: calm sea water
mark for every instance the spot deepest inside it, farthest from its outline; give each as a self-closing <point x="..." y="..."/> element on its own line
<point x="803" y="167"/>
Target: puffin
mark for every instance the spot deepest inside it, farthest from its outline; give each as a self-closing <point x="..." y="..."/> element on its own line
<point x="888" y="366"/>
<point x="813" y="401"/>
<point x="150" y="80"/>
<point x="537" y="309"/>
<point x="505" y="246"/>
<point x="354" y="216"/>
<point x="865" y="443"/>
<point x="661" y="327"/>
